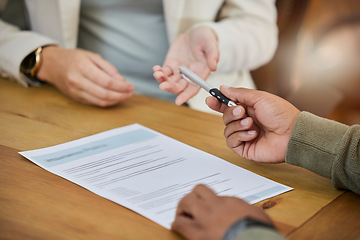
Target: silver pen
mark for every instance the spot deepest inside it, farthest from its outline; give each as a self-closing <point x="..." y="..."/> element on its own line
<point x="190" y="75"/>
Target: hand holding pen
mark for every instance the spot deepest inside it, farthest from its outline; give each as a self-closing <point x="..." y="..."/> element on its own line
<point x="191" y="76"/>
<point x="197" y="48"/>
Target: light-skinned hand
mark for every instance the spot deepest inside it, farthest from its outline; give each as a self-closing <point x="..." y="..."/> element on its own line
<point x="202" y="214"/>
<point x="83" y="76"/>
<point x="196" y="49"/>
<point x="259" y="128"/>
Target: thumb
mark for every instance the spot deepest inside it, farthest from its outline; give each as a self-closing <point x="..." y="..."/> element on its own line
<point x="212" y="59"/>
<point x="212" y="54"/>
<point x="244" y="96"/>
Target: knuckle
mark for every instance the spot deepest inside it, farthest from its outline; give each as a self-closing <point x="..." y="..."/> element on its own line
<point x="237" y="125"/>
<point x="106" y="83"/>
<point x="71" y="80"/>
<point x="227" y="131"/>
<point x="81" y="65"/>
<point x="231" y="143"/>
<point x="72" y="92"/>
<point x="104" y="95"/>
<point x="198" y="187"/>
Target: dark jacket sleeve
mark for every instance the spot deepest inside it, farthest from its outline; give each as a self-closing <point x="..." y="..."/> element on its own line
<point x="328" y="148"/>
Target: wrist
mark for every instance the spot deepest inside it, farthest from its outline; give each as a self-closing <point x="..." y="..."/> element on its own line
<point x="47" y="54"/>
<point x="32" y="64"/>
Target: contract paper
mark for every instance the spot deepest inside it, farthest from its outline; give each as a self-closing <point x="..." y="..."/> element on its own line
<point x="148" y="172"/>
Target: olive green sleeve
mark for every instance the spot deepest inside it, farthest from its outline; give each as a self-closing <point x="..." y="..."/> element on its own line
<point x="328" y="148"/>
<point x="259" y="233"/>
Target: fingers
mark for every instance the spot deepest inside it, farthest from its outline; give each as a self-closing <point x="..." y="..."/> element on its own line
<point x="156" y="68"/>
<point x="186" y="227"/>
<point x="188" y="205"/>
<point x="186" y="94"/>
<point x="85" y="76"/>
<point x="87" y="98"/>
<point x="236" y="139"/>
<point x="196" y="202"/>
<point x="105" y="66"/>
<point x="239" y="132"/>
<point x="212" y="59"/>
<point x="203" y="192"/>
<point x="169" y="80"/>
<point x="244" y="125"/>
<point x="98" y="88"/>
<point x="239" y="127"/>
<point x="215" y="105"/>
<point x="86" y="91"/>
<point x="181" y="87"/>
<point x="105" y="80"/>
<point x="99" y="83"/>
<point x="175" y="84"/>
<point x="212" y="52"/>
<point x="244" y="96"/>
<point x="102" y="85"/>
<point x="203" y="215"/>
<point x="168" y="70"/>
<point x="233" y="113"/>
<point x="236" y="120"/>
<point x="191" y="208"/>
<point x="161" y="74"/>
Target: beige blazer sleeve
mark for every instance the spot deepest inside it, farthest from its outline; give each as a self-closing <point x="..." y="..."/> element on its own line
<point x="15" y="45"/>
<point x="52" y="22"/>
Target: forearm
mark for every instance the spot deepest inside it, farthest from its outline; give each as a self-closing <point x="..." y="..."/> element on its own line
<point x="328" y="148"/>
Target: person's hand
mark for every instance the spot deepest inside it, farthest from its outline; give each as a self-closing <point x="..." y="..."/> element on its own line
<point x="203" y="215"/>
<point x="196" y="49"/>
<point x="84" y="76"/>
<point x="260" y="127"/>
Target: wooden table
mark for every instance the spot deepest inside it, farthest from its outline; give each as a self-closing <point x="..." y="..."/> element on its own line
<point x="36" y="204"/>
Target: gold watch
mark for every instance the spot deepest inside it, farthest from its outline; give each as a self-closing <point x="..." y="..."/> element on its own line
<point x="31" y="63"/>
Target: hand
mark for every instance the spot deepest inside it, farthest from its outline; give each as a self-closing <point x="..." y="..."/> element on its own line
<point x="260" y="127"/>
<point x="84" y="76"/>
<point x="196" y="49"/>
<point x="203" y="215"/>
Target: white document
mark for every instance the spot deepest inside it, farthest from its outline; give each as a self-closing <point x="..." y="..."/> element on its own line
<point x="148" y="172"/>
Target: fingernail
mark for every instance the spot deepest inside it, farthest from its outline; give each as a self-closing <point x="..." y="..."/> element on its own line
<point x="237" y="111"/>
<point x="252" y="132"/>
<point x="244" y="121"/>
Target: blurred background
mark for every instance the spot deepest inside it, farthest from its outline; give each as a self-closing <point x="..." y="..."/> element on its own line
<point x="317" y="64"/>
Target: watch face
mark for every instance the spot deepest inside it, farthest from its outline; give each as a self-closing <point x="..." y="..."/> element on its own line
<point x="31" y="63"/>
<point x="28" y="62"/>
